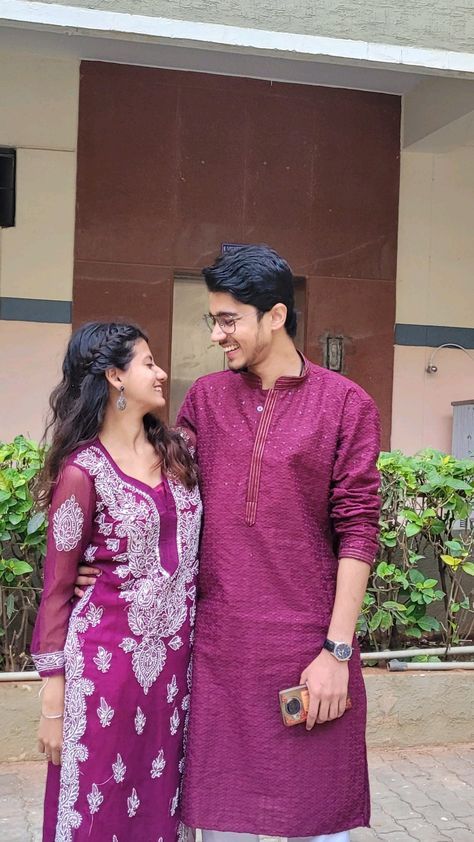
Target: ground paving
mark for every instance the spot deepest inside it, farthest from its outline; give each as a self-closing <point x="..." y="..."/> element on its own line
<point x="417" y="794"/>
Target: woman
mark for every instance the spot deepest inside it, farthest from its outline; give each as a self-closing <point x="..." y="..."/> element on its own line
<point x="123" y="494"/>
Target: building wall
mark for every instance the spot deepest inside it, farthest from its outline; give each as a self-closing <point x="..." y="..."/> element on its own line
<point x="173" y="164"/>
<point x="445" y="24"/>
<point x="435" y="294"/>
<point x="38" y="109"/>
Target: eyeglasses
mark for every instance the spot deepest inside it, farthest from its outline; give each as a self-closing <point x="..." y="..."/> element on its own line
<point x="226" y="323"/>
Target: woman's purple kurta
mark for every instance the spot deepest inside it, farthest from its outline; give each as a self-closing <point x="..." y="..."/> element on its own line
<point x="124" y="649"/>
<point x="289" y="485"/>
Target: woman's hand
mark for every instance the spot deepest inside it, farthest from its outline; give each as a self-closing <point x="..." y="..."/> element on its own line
<point x="50" y="731"/>
<point x="85" y="576"/>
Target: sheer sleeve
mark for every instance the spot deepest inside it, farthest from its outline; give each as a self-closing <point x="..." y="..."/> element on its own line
<point x="69" y="531"/>
<point x="354" y="498"/>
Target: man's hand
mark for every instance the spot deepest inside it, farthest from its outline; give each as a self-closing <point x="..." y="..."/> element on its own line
<point x="327" y="680"/>
<point x="85" y="576"/>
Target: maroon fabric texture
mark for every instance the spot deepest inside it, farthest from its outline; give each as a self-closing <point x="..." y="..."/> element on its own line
<point x="266" y="594"/>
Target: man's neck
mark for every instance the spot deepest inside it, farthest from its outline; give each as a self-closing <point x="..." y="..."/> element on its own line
<point x="282" y="361"/>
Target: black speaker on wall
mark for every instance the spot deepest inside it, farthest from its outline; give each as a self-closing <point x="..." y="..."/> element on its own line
<point x="7" y="186"/>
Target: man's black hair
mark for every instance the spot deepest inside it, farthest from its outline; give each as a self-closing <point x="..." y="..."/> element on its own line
<point x="255" y="275"/>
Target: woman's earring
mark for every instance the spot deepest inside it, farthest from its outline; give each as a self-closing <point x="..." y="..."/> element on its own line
<point x="121" y="400"/>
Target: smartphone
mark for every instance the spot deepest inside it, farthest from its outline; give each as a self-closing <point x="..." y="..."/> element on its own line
<point x="294" y="704"/>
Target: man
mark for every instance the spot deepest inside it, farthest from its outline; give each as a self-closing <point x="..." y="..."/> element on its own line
<point x="286" y="453"/>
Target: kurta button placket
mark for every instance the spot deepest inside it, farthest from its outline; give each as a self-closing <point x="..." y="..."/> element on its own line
<point x="266" y="413"/>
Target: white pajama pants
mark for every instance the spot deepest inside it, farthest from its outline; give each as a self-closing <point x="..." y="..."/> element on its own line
<point x="217" y="836"/>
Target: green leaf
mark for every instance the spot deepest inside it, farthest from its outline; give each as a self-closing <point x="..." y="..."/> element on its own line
<point x="35" y="522"/>
<point x="412" y="529"/>
<point x="395" y="606"/>
<point x="14" y="518"/>
<point x="375" y="621"/>
<point x="21" y="567"/>
<point x="10" y="605"/>
<point x="4" y="495"/>
<point x="468" y="567"/>
<point x="450" y="560"/>
<point x="413" y="632"/>
<point x="428" y="624"/>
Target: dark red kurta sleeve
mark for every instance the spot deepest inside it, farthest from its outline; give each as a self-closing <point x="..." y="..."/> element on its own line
<point x="354" y="496"/>
<point x="69" y="530"/>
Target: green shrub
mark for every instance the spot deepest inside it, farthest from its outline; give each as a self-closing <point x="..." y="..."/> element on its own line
<point x="425" y="500"/>
<point x="22" y="548"/>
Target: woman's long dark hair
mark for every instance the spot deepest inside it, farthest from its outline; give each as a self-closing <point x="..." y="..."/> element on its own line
<point x="78" y="404"/>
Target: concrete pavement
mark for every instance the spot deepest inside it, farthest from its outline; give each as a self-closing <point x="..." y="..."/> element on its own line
<point x="417" y="794"/>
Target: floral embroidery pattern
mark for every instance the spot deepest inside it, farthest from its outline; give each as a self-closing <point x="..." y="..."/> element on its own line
<point x="68" y="520"/>
<point x="105" y="713"/>
<point x="48" y="661"/>
<point x="133" y="803"/>
<point x="95" y="799"/>
<point x="102" y="659"/>
<point x="172" y="689"/>
<point x="158" y="765"/>
<point x="157" y="602"/>
<point x="75" y="721"/>
<point x="140" y="721"/>
<point x="174" y="721"/>
<point x="156" y="606"/>
<point x="119" y="769"/>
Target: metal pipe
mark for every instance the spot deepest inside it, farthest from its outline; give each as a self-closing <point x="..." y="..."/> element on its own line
<point x="401" y="666"/>
<point x="29" y="675"/>
<point x="386" y="654"/>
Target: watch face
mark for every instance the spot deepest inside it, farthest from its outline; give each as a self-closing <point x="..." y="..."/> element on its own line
<point x="343" y="651"/>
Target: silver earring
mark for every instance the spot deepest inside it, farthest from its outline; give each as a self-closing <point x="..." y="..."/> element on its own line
<point x="121" y="400"/>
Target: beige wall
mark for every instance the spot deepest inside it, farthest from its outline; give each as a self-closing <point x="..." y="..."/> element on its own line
<point x="38" y="116"/>
<point x="435" y="286"/>
<point x="39" y="105"/>
<point x="31" y="354"/>
<point x="444" y="24"/>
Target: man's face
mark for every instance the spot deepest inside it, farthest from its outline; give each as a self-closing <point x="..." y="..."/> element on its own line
<point x="244" y="338"/>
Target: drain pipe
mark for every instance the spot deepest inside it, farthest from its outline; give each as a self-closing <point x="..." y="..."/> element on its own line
<point x="401" y="666"/>
<point x="387" y="654"/>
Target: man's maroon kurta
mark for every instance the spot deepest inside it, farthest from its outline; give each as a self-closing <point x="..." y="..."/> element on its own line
<point x="289" y="485"/>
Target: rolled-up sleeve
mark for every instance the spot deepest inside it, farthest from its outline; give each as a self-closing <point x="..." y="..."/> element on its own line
<point x="354" y="497"/>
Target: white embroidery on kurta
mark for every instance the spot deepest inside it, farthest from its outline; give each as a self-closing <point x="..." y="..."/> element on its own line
<point x="133" y="803"/>
<point x="174" y="803"/>
<point x="158" y="765"/>
<point x="176" y="643"/>
<point x="114" y="838"/>
<point x="94" y="614"/>
<point x="68" y="520"/>
<point x="155" y="614"/>
<point x="75" y="721"/>
<point x="46" y="661"/>
<point x="105" y="713"/>
<point x="174" y="721"/>
<point x="172" y="689"/>
<point x="112" y="544"/>
<point x="140" y="721"/>
<point x="158" y="602"/>
<point x="89" y="554"/>
<point x="102" y="659"/>
<point x="95" y="799"/>
<point x="119" y="769"/>
<point x="185" y="702"/>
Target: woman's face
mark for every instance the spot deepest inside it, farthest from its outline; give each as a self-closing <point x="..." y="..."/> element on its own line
<point x="143" y="380"/>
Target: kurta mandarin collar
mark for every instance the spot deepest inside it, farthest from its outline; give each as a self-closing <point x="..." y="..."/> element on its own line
<point x="282" y="382"/>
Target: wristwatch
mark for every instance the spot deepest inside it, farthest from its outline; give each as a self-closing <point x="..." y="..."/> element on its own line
<point x="341" y="651"/>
